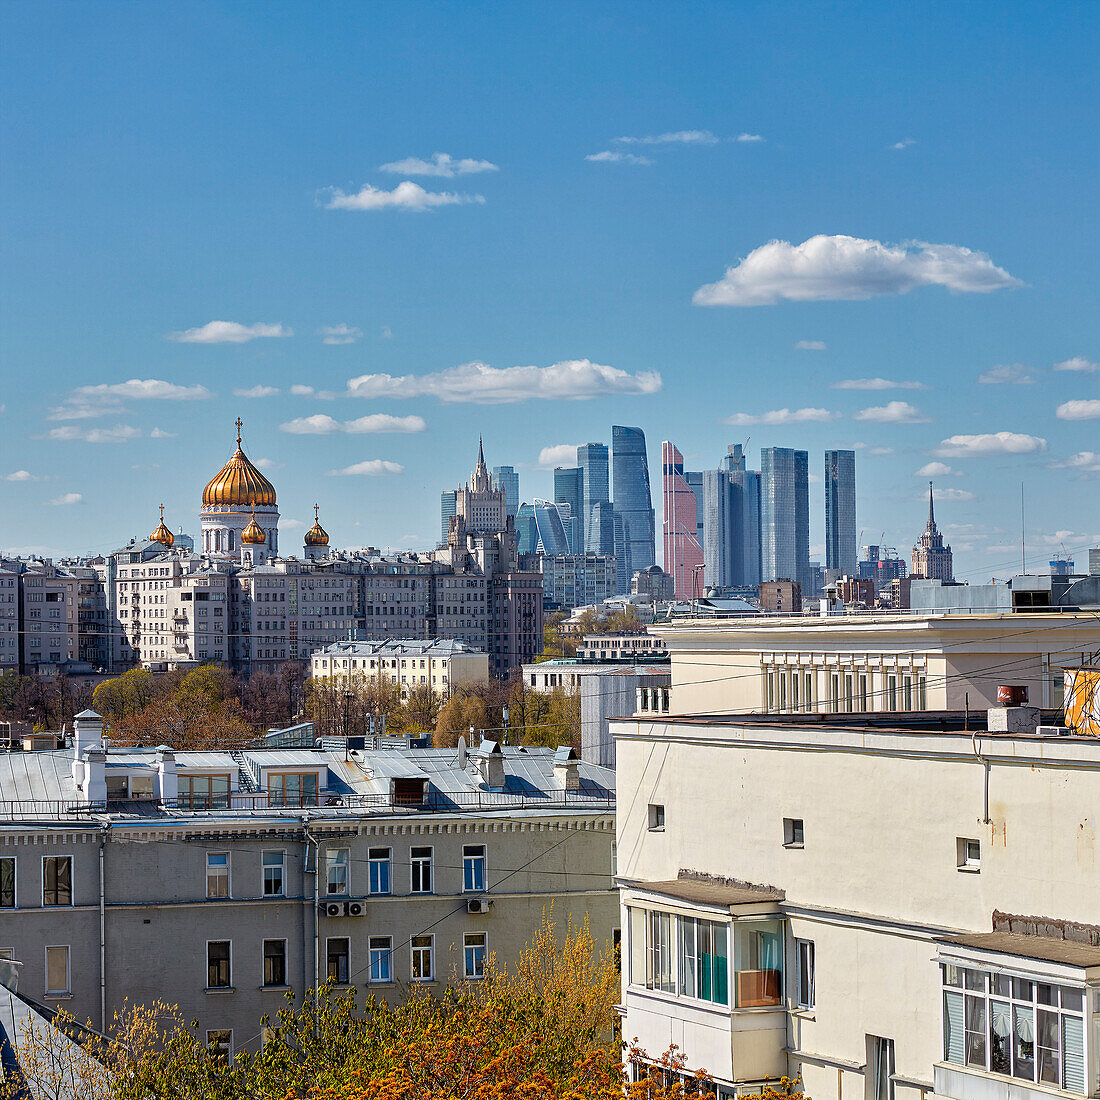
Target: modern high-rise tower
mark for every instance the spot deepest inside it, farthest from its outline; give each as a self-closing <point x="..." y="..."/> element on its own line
<point x="569" y="489"/>
<point x="592" y="460"/>
<point x="785" y="515"/>
<point x="633" y="500"/>
<point x="840" y="511"/>
<point x="682" y="549"/>
<point x="506" y="478"/>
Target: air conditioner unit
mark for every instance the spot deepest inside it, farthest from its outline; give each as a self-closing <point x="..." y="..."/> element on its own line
<point x="355" y="908"/>
<point x="1053" y="731"/>
<point x="478" y="905"/>
<point x="332" y="908"/>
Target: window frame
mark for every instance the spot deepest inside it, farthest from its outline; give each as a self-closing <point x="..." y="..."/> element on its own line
<point x="264" y="983"/>
<point x="416" y="951"/>
<point x="384" y="954"/>
<point x="655" y="817"/>
<point x="57" y="883"/>
<point x="68" y="990"/>
<point x="228" y="965"/>
<point x="217" y="877"/>
<point x="218" y="1050"/>
<point x="805" y="976"/>
<point x="334" y="864"/>
<point x="469" y="954"/>
<point x="380" y="871"/>
<point x="14" y="904"/>
<point x="264" y="867"/>
<point x="329" y="941"/>
<point x="474" y="867"/>
<point x="794" y="832"/>
<point x="417" y="864"/>
<point x="963" y="859"/>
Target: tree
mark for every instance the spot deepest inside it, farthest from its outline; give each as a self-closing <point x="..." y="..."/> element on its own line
<point x="421" y="710"/>
<point x="127" y="694"/>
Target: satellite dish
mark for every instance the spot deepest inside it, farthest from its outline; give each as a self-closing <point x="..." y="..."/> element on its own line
<point x="462" y="753"/>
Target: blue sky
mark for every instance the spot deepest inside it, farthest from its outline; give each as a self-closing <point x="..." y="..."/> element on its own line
<point x="927" y="172"/>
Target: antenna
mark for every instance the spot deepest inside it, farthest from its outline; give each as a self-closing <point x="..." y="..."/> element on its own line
<point x="1023" y="537"/>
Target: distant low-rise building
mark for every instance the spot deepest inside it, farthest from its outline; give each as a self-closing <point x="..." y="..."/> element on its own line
<point x="783" y="597"/>
<point x="654" y="584"/>
<point x="621" y="647"/>
<point x="409" y="663"/>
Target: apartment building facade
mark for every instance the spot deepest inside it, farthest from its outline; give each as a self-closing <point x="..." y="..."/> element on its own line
<point x="222" y="881"/>
<point x="898" y="908"/>
<point x="443" y="666"/>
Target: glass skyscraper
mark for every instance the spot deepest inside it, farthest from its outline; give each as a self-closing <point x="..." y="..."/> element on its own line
<point x="506" y="478"/>
<point x="569" y="489"/>
<point x="683" y="550"/>
<point x="785" y="515"/>
<point x="448" y="505"/>
<point x="596" y="483"/>
<point x="840" y="511"/>
<point x="633" y="500"/>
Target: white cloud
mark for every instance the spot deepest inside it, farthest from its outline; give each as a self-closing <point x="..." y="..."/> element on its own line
<point x="610" y="156"/>
<point x="230" y="332"/>
<point x="877" y="384"/>
<point x="748" y="137"/>
<point x="842" y="268"/>
<point x="675" y="137"/>
<point x="881" y="451"/>
<point x="258" y="391"/>
<point x="560" y="454"/>
<point x="405" y="196"/>
<point x="322" y="424"/>
<point x="65" y="499"/>
<point x="21" y="475"/>
<point x="268" y="464"/>
<point x="1077" y="363"/>
<point x="1086" y="462"/>
<point x="937" y="469"/>
<point x="291" y="524"/>
<point x="946" y="493"/>
<point x="339" y="334"/>
<point x="904" y="144"/>
<point x="160" y="433"/>
<point x="994" y="443"/>
<point x="121" y="433"/>
<point x="781" y="416"/>
<point x="85" y="412"/>
<point x="1078" y="410"/>
<point x="441" y="164"/>
<point x="571" y="380"/>
<point x="1007" y="374"/>
<point x="299" y="390"/>
<point x="140" y="389"/>
<point x="373" y="467"/>
<point x="810" y="345"/>
<point x="893" y="412"/>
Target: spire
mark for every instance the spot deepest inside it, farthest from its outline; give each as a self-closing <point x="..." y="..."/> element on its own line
<point x="481" y="473"/>
<point x="480" y="453"/>
<point x="931" y="512"/>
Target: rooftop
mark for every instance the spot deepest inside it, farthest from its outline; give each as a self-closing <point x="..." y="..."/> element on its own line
<point x="412" y="647"/>
<point x="703" y="892"/>
<point x="1043" y="948"/>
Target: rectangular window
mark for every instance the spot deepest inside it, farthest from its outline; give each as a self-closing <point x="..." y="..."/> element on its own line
<point x="7" y="882"/>
<point x="217" y="964"/>
<point x="57" y="972"/>
<point x="204" y="792"/>
<point x="805" y="976"/>
<point x="891" y="693"/>
<point x="473" y="867"/>
<point x="292" y="789"/>
<point x="381" y="949"/>
<point x="637" y="946"/>
<point x="220" y="1044"/>
<point x="474" y="949"/>
<point x="422" y="961"/>
<point x="336" y="870"/>
<point x="968" y="854"/>
<point x="704" y="960"/>
<point x="880" y="1068"/>
<point x="275" y="962"/>
<point x="659" y="963"/>
<point x="758" y="962"/>
<point x="421" y="869"/>
<point x="217" y="874"/>
<point x="794" y="833"/>
<point x="656" y="817"/>
<point x="274" y="864"/>
<point x="57" y="880"/>
<point x="338" y="950"/>
<point x="379" y="861"/>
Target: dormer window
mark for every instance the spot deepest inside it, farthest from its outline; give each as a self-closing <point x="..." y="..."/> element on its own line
<point x="292" y="789"/>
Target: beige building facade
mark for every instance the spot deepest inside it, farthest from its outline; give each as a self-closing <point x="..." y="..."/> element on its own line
<point x="441" y="665"/>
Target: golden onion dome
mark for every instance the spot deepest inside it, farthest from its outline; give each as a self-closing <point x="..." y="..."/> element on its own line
<point x="253" y="534"/>
<point x="316" y="535"/>
<point x="162" y="534"/>
<point x="238" y="483"/>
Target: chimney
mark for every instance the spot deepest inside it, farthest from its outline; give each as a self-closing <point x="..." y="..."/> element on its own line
<point x="87" y="733"/>
<point x="491" y="765"/>
<point x="567" y="768"/>
<point x="95" y="774"/>
<point x="1012" y="716"/>
<point x="167" y="779"/>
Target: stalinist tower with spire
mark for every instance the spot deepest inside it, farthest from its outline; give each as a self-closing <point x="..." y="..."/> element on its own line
<point x="483" y="506"/>
<point x="931" y="559"/>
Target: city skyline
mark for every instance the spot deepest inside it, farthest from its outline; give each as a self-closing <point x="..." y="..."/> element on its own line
<point x="775" y="260"/>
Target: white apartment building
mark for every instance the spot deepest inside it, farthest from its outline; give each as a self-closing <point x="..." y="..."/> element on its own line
<point x="621" y="647"/>
<point x="888" y="907"/>
<point x="861" y="662"/>
<point x="441" y="665"/>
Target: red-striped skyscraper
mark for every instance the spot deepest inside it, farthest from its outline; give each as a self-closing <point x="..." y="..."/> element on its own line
<point x="683" y="552"/>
